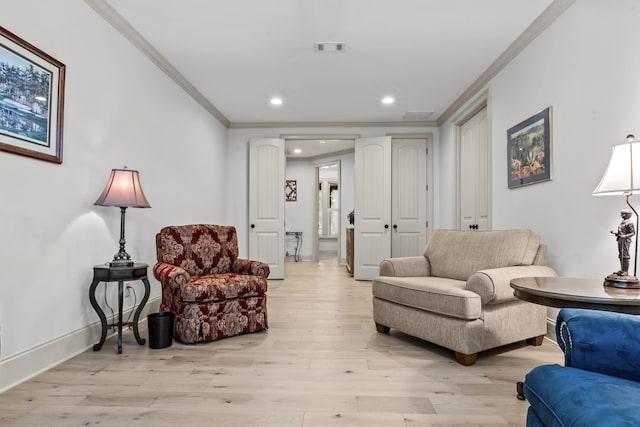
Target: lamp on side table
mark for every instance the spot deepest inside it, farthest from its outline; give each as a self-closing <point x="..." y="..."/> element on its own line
<point x="622" y="178"/>
<point x="123" y="190"/>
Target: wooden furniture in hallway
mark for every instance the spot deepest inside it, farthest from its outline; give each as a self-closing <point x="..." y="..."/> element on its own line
<point x="350" y="250"/>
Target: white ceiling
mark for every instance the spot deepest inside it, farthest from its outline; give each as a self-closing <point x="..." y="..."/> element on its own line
<point x="316" y="148"/>
<point x="234" y="55"/>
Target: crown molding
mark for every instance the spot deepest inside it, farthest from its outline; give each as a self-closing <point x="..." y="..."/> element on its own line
<point x="550" y="14"/>
<point x="255" y="125"/>
<point x="546" y="18"/>
<point x="119" y="23"/>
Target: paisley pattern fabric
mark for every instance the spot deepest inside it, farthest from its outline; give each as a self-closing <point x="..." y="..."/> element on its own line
<point x="220" y="287"/>
<point x="199" y="248"/>
<point x="212" y="292"/>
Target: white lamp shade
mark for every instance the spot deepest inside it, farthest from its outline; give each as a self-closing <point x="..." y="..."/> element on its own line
<point x="123" y="190"/>
<point x="623" y="172"/>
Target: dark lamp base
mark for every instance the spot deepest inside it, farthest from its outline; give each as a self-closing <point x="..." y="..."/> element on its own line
<point x="626" y="282"/>
<point x="121" y="263"/>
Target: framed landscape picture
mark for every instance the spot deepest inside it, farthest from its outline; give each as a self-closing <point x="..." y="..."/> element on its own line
<point x="529" y="150"/>
<point x="31" y="100"/>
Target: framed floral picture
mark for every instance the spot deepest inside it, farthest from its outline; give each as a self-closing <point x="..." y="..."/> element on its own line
<point x="291" y="190"/>
<point x="529" y="150"/>
<point x="31" y="100"/>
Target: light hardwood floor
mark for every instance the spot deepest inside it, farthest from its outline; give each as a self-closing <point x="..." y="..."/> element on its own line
<point x="321" y="363"/>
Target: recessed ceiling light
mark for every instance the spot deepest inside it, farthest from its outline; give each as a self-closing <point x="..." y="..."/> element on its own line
<point x="297" y="151"/>
<point x="388" y="100"/>
<point x="276" y="101"/>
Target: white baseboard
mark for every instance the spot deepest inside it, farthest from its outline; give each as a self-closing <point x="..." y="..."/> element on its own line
<point x="34" y="361"/>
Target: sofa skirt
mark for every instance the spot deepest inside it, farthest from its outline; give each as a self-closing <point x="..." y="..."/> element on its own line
<point x="215" y="320"/>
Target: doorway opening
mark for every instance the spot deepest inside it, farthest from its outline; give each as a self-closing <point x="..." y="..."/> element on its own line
<point x="323" y="200"/>
<point x="328" y="211"/>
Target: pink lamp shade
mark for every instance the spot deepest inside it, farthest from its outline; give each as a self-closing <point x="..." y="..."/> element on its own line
<point x="123" y="190"/>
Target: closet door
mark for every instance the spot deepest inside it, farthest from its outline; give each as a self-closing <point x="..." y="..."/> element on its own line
<point x="266" y="203"/>
<point x="474" y="173"/>
<point x="372" y="178"/>
<point x="408" y="197"/>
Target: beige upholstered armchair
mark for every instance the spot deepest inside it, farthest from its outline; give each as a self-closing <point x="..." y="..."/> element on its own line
<point x="458" y="295"/>
<point x="212" y="292"/>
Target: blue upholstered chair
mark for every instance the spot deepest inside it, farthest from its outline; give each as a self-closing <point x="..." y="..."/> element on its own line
<point x="600" y="382"/>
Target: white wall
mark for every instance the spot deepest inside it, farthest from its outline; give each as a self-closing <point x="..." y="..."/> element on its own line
<point x="238" y="151"/>
<point x="585" y="65"/>
<point x="119" y="110"/>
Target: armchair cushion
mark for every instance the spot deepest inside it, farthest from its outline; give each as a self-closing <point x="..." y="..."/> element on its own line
<point x="457" y="255"/>
<point x="250" y="267"/>
<point x="198" y="249"/>
<point x="438" y="295"/>
<point x="561" y="396"/>
<point x="416" y="266"/>
<point x="600" y="341"/>
<point x="223" y="286"/>
<point x="600" y="381"/>
<point x="493" y="285"/>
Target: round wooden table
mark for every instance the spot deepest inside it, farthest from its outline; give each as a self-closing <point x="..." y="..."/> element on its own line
<point x="576" y="293"/>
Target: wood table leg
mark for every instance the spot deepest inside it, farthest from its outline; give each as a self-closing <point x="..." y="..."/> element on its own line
<point x="120" y="301"/>
<point x="103" y="318"/>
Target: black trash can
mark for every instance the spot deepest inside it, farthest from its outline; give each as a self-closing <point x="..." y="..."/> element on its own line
<point x="160" y="329"/>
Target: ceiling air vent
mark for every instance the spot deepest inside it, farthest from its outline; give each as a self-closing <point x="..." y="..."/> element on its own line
<point x="417" y="115"/>
<point x="329" y="46"/>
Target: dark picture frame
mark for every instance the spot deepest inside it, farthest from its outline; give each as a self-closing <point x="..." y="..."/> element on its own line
<point x="529" y="150"/>
<point x="291" y="190"/>
<point x="31" y="100"/>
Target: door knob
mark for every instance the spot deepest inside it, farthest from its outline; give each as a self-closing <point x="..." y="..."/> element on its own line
<point x="386" y="226"/>
<point x="253" y="226"/>
<point x="395" y="226"/>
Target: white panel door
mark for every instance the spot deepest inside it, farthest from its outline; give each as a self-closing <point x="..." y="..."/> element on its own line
<point x="467" y="176"/>
<point x="482" y="168"/>
<point x="408" y="197"/>
<point x="372" y="240"/>
<point x="266" y="203"/>
<point x="474" y="173"/>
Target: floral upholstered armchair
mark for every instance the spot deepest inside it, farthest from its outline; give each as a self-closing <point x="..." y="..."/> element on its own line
<point x="213" y="293"/>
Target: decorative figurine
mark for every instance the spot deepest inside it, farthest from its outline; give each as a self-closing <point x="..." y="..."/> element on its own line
<point x="624" y="235"/>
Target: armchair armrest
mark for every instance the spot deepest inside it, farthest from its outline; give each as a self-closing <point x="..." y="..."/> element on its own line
<point x="415" y="266"/>
<point x="170" y="274"/>
<point x="600" y="341"/>
<point x="493" y="285"/>
<point x="250" y="267"/>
